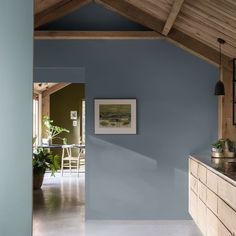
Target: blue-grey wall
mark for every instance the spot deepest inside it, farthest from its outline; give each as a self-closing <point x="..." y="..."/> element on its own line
<point x="141" y="176"/>
<point x="16" y="76"/>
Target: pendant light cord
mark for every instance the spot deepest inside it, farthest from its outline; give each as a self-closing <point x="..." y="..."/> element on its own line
<point x="220" y="41"/>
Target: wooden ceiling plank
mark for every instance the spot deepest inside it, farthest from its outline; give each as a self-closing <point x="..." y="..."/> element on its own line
<point x="172" y="16"/>
<point x="202" y="6"/>
<point x="208" y="40"/>
<point x="194" y="25"/>
<point x="193" y="45"/>
<point x="222" y="7"/>
<point x="200" y="29"/>
<point x="213" y="22"/>
<point x="98" y="35"/>
<point x="58" y="10"/>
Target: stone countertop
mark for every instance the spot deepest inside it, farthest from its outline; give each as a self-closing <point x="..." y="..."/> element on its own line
<point x="216" y="165"/>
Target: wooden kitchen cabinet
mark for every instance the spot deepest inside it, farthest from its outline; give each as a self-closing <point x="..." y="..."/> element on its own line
<point x="212" y="200"/>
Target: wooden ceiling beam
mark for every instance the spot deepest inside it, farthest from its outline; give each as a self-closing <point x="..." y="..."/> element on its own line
<point x="192" y="45"/>
<point x="82" y="35"/>
<point x="57" y="11"/>
<point x="176" y="7"/>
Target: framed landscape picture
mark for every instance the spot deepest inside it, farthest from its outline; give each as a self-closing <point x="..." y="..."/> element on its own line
<point x="115" y="116"/>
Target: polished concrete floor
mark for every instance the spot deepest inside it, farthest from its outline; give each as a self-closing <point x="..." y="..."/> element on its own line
<point x="59" y="211"/>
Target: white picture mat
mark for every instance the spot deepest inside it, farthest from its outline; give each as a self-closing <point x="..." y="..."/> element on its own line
<point x="115" y="130"/>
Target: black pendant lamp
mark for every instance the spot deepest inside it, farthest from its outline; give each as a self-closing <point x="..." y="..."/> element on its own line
<point x="220" y="88"/>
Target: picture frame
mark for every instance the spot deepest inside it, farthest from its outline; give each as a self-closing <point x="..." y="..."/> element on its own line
<point x="115" y="116"/>
<point x="73" y="115"/>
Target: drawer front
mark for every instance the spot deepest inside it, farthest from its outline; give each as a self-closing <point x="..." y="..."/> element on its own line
<point x="222" y="230"/>
<point x="227" y="192"/>
<point x="227" y="215"/>
<point x="212" y="181"/>
<point x="202" y="216"/>
<point x="212" y="201"/>
<point x="215" y="227"/>
<point x="193" y="166"/>
<point x="202" y="191"/>
<point x="193" y="182"/>
<point x="202" y="173"/>
<point x="212" y="222"/>
<point x="193" y="201"/>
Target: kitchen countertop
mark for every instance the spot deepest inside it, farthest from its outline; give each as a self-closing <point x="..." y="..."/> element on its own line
<point x="216" y="165"/>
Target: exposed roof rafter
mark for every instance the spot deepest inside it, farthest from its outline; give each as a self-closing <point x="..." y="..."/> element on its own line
<point x="57" y="11"/>
<point x="176" y="7"/>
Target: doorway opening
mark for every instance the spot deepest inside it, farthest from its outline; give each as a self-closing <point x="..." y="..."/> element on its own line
<point x="59" y="147"/>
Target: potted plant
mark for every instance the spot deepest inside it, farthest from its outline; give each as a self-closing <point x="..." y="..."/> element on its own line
<point x="223" y="148"/>
<point x="53" y="131"/>
<point x="218" y="146"/>
<point x="43" y="160"/>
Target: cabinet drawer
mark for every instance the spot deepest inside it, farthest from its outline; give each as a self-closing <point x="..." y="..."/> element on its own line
<point x="215" y="227"/>
<point x="227" y="215"/>
<point x="227" y="192"/>
<point x="212" y="222"/>
<point x="193" y="166"/>
<point x="202" y="191"/>
<point x="193" y="201"/>
<point x="212" y="181"/>
<point x="202" y="173"/>
<point x="193" y="182"/>
<point x="212" y="201"/>
<point x="222" y="230"/>
<point x="202" y="216"/>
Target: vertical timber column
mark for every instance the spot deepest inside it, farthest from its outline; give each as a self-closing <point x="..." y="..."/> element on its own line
<point x="16" y="76"/>
<point x="226" y="128"/>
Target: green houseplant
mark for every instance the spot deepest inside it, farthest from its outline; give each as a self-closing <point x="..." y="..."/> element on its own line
<point x="223" y="148"/>
<point x="43" y="159"/>
<point x="52" y="131"/>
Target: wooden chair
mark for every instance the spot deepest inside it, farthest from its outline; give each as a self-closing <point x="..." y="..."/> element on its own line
<point x="68" y="160"/>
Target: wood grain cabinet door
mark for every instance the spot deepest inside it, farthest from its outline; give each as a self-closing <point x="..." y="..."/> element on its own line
<point x="212" y="221"/>
<point x="212" y="201"/>
<point x="212" y="181"/>
<point x="202" y="191"/>
<point x="227" y="215"/>
<point x="193" y="166"/>
<point x="202" y="173"/>
<point x="193" y="205"/>
<point x="193" y="182"/>
<point x="227" y="192"/>
<point x="202" y="217"/>
<point x="215" y="226"/>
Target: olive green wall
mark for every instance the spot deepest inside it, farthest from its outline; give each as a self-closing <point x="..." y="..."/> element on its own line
<point x="61" y="103"/>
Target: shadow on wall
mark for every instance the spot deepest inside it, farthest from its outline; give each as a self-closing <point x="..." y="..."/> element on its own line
<point x="127" y="173"/>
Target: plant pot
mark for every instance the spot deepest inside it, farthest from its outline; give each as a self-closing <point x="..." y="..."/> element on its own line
<point x="38" y="181"/>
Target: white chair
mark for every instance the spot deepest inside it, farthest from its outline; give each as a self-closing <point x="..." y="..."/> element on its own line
<point x="68" y="160"/>
<point x="81" y="157"/>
